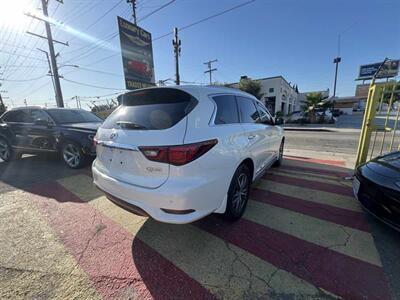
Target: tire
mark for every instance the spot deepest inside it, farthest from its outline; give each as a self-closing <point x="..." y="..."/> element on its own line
<point x="238" y="193"/>
<point x="6" y="152"/>
<point x="279" y="161"/>
<point x="72" y="155"/>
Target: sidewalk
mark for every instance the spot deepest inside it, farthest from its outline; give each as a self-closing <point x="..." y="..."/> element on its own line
<point x="348" y="159"/>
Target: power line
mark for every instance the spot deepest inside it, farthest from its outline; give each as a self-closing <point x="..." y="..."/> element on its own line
<point x="91" y="85"/>
<point x="23" y="80"/>
<point x="206" y="18"/>
<point x="156" y="10"/>
<point x="100" y="18"/>
<point x="110" y="37"/>
<point x="167" y="34"/>
<point x="99" y="71"/>
<point x="27" y="56"/>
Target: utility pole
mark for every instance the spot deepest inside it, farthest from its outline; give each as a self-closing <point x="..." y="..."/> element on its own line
<point x="2" y="106"/>
<point x="133" y="9"/>
<point x="210" y="69"/>
<point x="176" y="42"/>
<point x="78" y="101"/>
<point x="50" y="72"/>
<point x="57" y="85"/>
<point x="25" y="102"/>
<point x="53" y="61"/>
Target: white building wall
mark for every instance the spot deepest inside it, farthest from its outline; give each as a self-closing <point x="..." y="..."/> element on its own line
<point x="277" y="88"/>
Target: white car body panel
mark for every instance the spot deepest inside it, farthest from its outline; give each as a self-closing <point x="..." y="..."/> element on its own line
<point x="200" y="185"/>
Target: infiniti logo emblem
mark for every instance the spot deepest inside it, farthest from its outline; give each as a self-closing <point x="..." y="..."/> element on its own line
<point x="113" y="136"/>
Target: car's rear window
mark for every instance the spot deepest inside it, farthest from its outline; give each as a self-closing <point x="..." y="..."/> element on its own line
<point x="151" y="109"/>
<point x="68" y="116"/>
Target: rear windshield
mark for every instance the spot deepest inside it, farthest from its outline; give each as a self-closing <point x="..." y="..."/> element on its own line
<point x="151" y="109"/>
<point x="67" y="116"/>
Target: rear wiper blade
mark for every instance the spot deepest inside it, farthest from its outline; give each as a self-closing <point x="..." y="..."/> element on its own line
<point x="129" y="125"/>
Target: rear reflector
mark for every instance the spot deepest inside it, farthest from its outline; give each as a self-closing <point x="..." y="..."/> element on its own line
<point x="177" y="155"/>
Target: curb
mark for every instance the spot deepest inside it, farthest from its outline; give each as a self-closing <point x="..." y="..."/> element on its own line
<point x="309" y="129"/>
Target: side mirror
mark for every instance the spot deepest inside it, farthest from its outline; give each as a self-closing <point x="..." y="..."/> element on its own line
<point x="41" y="122"/>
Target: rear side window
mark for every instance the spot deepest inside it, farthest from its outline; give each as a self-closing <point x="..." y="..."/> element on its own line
<point x="227" y="112"/>
<point x="151" y="109"/>
<point x="20" y="116"/>
<point x="248" y="111"/>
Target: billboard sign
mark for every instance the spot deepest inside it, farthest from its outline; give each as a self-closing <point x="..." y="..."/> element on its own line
<point x="137" y="55"/>
<point x="389" y="69"/>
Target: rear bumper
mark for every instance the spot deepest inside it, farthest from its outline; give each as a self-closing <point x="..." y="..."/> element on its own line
<point x="177" y="204"/>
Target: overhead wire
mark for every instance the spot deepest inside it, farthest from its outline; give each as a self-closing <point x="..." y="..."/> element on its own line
<point x="91" y="85"/>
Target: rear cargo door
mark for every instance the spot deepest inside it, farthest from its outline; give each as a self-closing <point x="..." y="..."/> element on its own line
<point x="153" y="117"/>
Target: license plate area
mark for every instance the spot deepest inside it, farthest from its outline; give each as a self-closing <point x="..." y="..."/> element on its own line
<point x="105" y="155"/>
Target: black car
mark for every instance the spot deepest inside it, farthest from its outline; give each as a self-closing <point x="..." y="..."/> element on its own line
<point x="33" y="130"/>
<point x="376" y="184"/>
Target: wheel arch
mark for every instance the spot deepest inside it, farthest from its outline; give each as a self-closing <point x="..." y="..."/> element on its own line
<point x="250" y="164"/>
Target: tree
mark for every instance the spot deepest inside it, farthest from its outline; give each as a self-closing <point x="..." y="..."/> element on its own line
<point x="250" y="86"/>
<point x="313" y="100"/>
<point x="224" y="84"/>
<point x="103" y="110"/>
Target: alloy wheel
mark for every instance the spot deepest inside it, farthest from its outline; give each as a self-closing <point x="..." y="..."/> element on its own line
<point x="240" y="194"/>
<point x="72" y="156"/>
<point x="5" y="150"/>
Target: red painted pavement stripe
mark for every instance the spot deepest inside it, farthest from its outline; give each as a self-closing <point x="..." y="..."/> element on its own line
<point x="318" y="161"/>
<point x="337" y="273"/>
<point x="325" y="212"/>
<point x="315" y="170"/>
<point x="315" y="185"/>
<point x="117" y="266"/>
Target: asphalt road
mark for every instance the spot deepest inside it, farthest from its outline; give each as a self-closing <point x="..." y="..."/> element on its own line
<point x="322" y="141"/>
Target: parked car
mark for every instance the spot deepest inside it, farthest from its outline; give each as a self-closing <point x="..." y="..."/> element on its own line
<point x="296" y="115"/>
<point x="337" y="112"/>
<point x="181" y="153"/>
<point x="33" y="130"/>
<point x="377" y="186"/>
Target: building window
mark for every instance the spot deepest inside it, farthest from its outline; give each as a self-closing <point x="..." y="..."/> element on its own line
<point x="271" y="90"/>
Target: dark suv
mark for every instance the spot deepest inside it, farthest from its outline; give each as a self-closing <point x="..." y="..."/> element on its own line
<point x="34" y="130"/>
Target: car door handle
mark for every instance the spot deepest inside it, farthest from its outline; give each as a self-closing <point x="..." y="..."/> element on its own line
<point x="250" y="137"/>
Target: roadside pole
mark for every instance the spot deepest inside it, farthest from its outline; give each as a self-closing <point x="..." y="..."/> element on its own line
<point x="133" y="10"/>
<point x="59" y="97"/>
<point x="210" y="70"/>
<point x="176" y="42"/>
<point x="368" y="122"/>
<point x="49" y="38"/>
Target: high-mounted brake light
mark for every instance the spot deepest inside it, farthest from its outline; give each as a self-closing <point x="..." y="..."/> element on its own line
<point x="177" y="155"/>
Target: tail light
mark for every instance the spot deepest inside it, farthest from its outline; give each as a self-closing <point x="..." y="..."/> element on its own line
<point x="177" y="155"/>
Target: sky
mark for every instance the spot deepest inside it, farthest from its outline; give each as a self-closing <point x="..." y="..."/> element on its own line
<point x="297" y="39"/>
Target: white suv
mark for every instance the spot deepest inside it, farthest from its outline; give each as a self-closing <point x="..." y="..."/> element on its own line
<point x="181" y="153"/>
